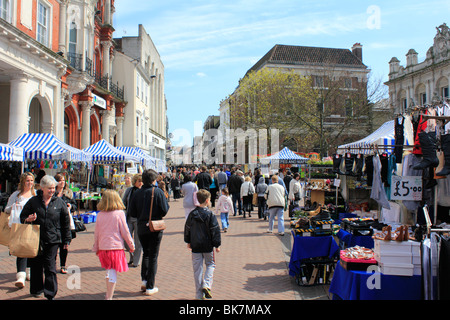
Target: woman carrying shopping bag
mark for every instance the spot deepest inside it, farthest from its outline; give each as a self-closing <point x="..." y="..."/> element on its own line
<point x="14" y="207"/>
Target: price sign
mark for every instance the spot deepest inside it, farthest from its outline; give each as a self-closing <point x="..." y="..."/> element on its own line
<point x="406" y="188"/>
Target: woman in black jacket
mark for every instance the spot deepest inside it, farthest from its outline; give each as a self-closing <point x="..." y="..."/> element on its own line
<point x="139" y="207"/>
<point x="51" y="214"/>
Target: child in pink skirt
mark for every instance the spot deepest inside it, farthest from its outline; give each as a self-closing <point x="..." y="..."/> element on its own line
<point x="111" y="231"/>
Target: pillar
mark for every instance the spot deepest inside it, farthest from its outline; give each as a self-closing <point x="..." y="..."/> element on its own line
<point x="119" y="137"/>
<point x="18" y="106"/>
<point x="86" y="124"/>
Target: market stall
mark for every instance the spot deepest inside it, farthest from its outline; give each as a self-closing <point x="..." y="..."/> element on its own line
<point x="392" y="186"/>
<point x="147" y="161"/>
<point x="11" y="164"/>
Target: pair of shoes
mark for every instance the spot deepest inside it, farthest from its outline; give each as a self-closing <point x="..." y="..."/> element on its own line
<point x="207" y="293"/>
<point x="281" y="233"/>
<point x="38" y="295"/>
<point x="249" y="215"/>
<point x="269" y="231"/>
<point x="144" y="286"/>
<point x="63" y="270"/>
<point x="150" y="292"/>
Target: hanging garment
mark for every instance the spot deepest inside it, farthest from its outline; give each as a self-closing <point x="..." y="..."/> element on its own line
<point x="443" y="111"/>
<point x="409" y="162"/>
<point x="431" y="123"/>
<point x="444" y="267"/>
<point x="378" y="192"/>
<point x="399" y="139"/>
<point x="408" y="130"/>
<point x="421" y="127"/>
<point x="369" y="170"/>
<point x="337" y="158"/>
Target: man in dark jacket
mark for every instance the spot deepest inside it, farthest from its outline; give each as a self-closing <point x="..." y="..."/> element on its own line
<point x="139" y="207"/>
<point x="202" y="234"/>
<point x="51" y="214"/>
<point x="234" y="187"/>
<point x="203" y="179"/>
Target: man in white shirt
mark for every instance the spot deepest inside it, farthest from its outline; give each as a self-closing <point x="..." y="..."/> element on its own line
<point x="276" y="203"/>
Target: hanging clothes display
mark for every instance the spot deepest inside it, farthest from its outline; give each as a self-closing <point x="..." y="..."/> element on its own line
<point x="399" y="138"/>
<point x="378" y="192"/>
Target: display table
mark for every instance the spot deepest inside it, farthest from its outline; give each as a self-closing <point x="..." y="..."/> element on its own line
<point x="311" y="247"/>
<point x="346" y="240"/>
<point x="352" y="285"/>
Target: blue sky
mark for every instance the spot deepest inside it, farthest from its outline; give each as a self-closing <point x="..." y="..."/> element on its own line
<point x="208" y="45"/>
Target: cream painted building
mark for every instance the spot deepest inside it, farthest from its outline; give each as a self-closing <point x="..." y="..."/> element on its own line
<point x="138" y="64"/>
<point x="420" y="83"/>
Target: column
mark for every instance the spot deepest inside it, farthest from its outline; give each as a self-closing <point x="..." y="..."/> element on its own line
<point x="108" y="12"/>
<point x="86" y="124"/>
<point x="105" y="124"/>
<point x="119" y="137"/>
<point x="62" y="25"/>
<point x="18" y="106"/>
<point x="106" y="57"/>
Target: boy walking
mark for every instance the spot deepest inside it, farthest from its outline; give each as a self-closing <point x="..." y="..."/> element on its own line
<point x="202" y="235"/>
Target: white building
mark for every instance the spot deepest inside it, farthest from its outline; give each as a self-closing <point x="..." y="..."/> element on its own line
<point x="138" y="64"/>
<point x="30" y="69"/>
<point x="424" y="82"/>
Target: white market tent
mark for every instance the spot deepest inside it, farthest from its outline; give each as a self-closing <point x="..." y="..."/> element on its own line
<point x="45" y="146"/>
<point x="382" y="138"/>
<point x="104" y="152"/>
<point x="10" y="153"/>
<point x="146" y="160"/>
<point x="285" y="156"/>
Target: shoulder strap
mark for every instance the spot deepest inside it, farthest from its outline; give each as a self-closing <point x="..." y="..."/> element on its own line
<point x="151" y="205"/>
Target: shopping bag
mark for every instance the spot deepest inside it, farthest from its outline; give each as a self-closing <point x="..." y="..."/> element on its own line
<point x="14" y="217"/>
<point x="5" y="230"/>
<point x="24" y="240"/>
<point x="255" y="199"/>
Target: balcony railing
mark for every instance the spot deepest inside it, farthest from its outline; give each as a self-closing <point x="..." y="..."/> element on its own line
<point x="75" y="60"/>
<point x="106" y="83"/>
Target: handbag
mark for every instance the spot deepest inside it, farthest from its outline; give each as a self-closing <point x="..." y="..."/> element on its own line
<point x="24" y="240"/>
<point x="255" y="199"/>
<point x="155" y="225"/>
<point x="5" y="230"/>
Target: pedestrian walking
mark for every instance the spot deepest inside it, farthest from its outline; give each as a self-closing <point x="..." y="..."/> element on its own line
<point x="246" y="194"/>
<point x="62" y="190"/>
<point x="202" y="235"/>
<point x="261" y="188"/>
<point x="222" y="179"/>
<point x="135" y="257"/>
<point x="203" y="179"/>
<point x="51" y="214"/>
<point x="14" y="206"/>
<point x="225" y="208"/>
<point x="188" y="190"/>
<point x="139" y="207"/>
<point x="175" y="185"/>
<point x="275" y="196"/>
<point x="213" y="188"/>
<point x="111" y="231"/>
<point x="295" y="193"/>
<point x="234" y="187"/>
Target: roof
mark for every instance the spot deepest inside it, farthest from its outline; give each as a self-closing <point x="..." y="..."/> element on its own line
<point x="317" y="56"/>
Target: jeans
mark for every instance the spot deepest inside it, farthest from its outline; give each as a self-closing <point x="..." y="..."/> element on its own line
<point x="279" y="212"/>
<point x="206" y="280"/>
<point x="135" y="257"/>
<point x="150" y="242"/>
<point x="224" y="220"/>
<point x="236" y="196"/>
<point x="262" y="207"/>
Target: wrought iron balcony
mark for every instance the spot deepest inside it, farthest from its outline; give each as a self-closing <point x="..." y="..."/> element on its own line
<point x="75" y="60"/>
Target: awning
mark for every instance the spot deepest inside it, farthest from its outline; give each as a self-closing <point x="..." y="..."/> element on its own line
<point x="383" y="136"/>
<point x="146" y="160"/>
<point x="104" y="152"/>
<point x="10" y="153"/>
<point x="38" y="146"/>
<point x="285" y="156"/>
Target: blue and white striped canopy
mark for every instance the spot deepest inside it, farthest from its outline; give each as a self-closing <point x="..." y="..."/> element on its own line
<point x="383" y="136"/>
<point x="285" y="156"/>
<point x="146" y="160"/>
<point x="38" y="146"/>
<point x="104" y="152"/>
<point x="10" y="153"/>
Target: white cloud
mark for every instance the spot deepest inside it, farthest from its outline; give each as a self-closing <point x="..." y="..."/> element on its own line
<point x="201" y="74"/>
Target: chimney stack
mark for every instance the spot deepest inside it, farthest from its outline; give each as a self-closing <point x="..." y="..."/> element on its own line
<point x="357" y="50"/>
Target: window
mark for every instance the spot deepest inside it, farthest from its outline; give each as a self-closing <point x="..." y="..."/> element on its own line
<point x="348" y="108"/>
<point x="138" y="83"/>
<point x="423" y="98"/>
<point x="137" y="129"/>
<point x="43" y="24"/>
<point x="5" y="10"/>
<point x="445" y="93"/>
<point x="73" y="38"/>
<point x="404" y="105"/>
<point x="318" y="81"/>
<point x="348" y="83"/>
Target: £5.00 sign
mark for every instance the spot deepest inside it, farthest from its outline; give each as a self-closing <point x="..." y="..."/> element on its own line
<point x="406" y="188"/>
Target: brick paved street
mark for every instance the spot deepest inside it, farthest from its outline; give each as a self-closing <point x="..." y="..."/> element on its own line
<point x="252" y="265"/>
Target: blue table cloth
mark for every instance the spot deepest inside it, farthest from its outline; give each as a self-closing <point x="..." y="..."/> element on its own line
<point x="350" y="240"/>
<point x="352" y="285"/>
<point x="311" y="247"/>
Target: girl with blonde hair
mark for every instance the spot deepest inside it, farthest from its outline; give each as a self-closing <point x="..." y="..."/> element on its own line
<point x="111" y="231"/>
